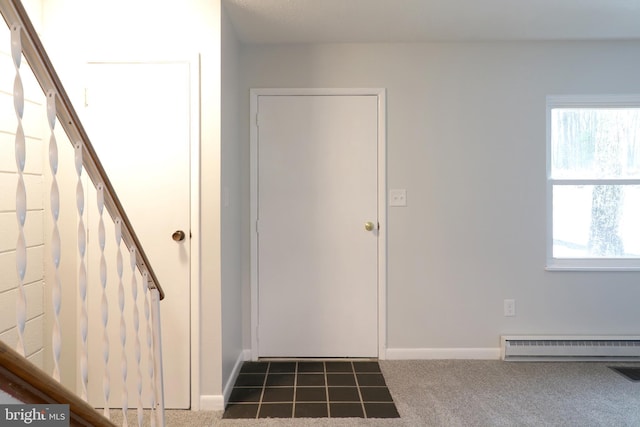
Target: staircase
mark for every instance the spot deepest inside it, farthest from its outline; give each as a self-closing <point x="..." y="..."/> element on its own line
<point x="38" y="121"/>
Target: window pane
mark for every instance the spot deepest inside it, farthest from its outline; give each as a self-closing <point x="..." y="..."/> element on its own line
<point x="595" y="143"/>
<point x="596" y="221"/>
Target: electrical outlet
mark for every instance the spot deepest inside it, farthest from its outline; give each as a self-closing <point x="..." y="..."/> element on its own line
<point x="509" y="307"/>
<point x="398" y="197"/>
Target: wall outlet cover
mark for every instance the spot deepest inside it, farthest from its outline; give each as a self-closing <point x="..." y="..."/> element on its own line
<point x="509" y="307"/>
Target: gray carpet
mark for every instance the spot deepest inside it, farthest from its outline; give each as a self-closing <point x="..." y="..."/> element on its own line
<point x="482" y="393"/>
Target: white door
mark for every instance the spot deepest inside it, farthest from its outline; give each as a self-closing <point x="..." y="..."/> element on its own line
<point x="317" y="263"/>
<point x="138" y="117"/>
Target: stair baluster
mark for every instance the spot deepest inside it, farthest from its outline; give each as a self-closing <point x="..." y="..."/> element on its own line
<point x="82" y="274"/>
<point x="56" y="292"/>
<point x="21" y="192"/>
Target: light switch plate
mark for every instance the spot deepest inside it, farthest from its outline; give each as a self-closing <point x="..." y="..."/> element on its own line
<point x="398" y="197"/>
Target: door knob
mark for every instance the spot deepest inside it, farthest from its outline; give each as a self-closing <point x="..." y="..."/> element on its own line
<point x="178" y="236"/>
<point x="368" y="226"/>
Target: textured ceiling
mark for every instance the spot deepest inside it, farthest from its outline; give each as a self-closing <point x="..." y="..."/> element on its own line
<point x="328" y="21"/>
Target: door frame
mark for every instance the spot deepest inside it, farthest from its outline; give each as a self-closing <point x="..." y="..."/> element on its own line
<point x="380" y="93"/>
<point x="193" y="61"/>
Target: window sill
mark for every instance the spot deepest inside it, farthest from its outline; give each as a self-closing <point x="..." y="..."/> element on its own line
<point x="606" y="265"/>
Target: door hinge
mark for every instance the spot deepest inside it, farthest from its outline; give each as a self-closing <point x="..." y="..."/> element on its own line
<point x="86" y="97"/>
<point x="258" y="226"/>
<point x="258" y="119"/>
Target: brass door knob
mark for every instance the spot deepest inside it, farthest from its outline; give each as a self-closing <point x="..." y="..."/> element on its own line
<point x="368" y="226"/>
<point x="178" y="236"/>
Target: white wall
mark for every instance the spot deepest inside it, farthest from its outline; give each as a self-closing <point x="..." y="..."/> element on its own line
<point x="231" y="214"/>
<point x="466" y="138"/>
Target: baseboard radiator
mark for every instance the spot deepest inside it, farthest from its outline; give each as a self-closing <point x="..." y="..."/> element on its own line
<point x="537" y="348"/>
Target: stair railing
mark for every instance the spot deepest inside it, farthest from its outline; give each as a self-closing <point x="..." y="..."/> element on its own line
<point x="26" y="43"/>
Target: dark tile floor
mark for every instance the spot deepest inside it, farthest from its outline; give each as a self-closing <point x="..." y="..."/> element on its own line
<point x="310" y="389"/>
<point x="632" y="373"/>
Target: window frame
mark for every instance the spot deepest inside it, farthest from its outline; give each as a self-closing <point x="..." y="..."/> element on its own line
<point x="583" y="264"/>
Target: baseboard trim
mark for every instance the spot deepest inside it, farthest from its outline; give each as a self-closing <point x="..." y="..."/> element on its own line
<point x="217" y="402"/>
<point x="442" y="353"/>
<point x="244" y="355"/>
<point x="212" y="402"/>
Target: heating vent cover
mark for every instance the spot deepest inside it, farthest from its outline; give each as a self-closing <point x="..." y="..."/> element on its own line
<point x="571" y="348"/>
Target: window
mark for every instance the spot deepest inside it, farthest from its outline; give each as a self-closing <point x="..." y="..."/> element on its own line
<point x="593" y="182"/>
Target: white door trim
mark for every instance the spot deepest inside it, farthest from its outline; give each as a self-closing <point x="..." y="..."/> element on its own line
<point x="195" y="339"/>
<point x="382" y="201"/>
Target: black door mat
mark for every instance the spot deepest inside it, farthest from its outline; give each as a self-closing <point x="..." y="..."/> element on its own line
<point x="310" y="389"/>
<point x="630" y="373"/>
